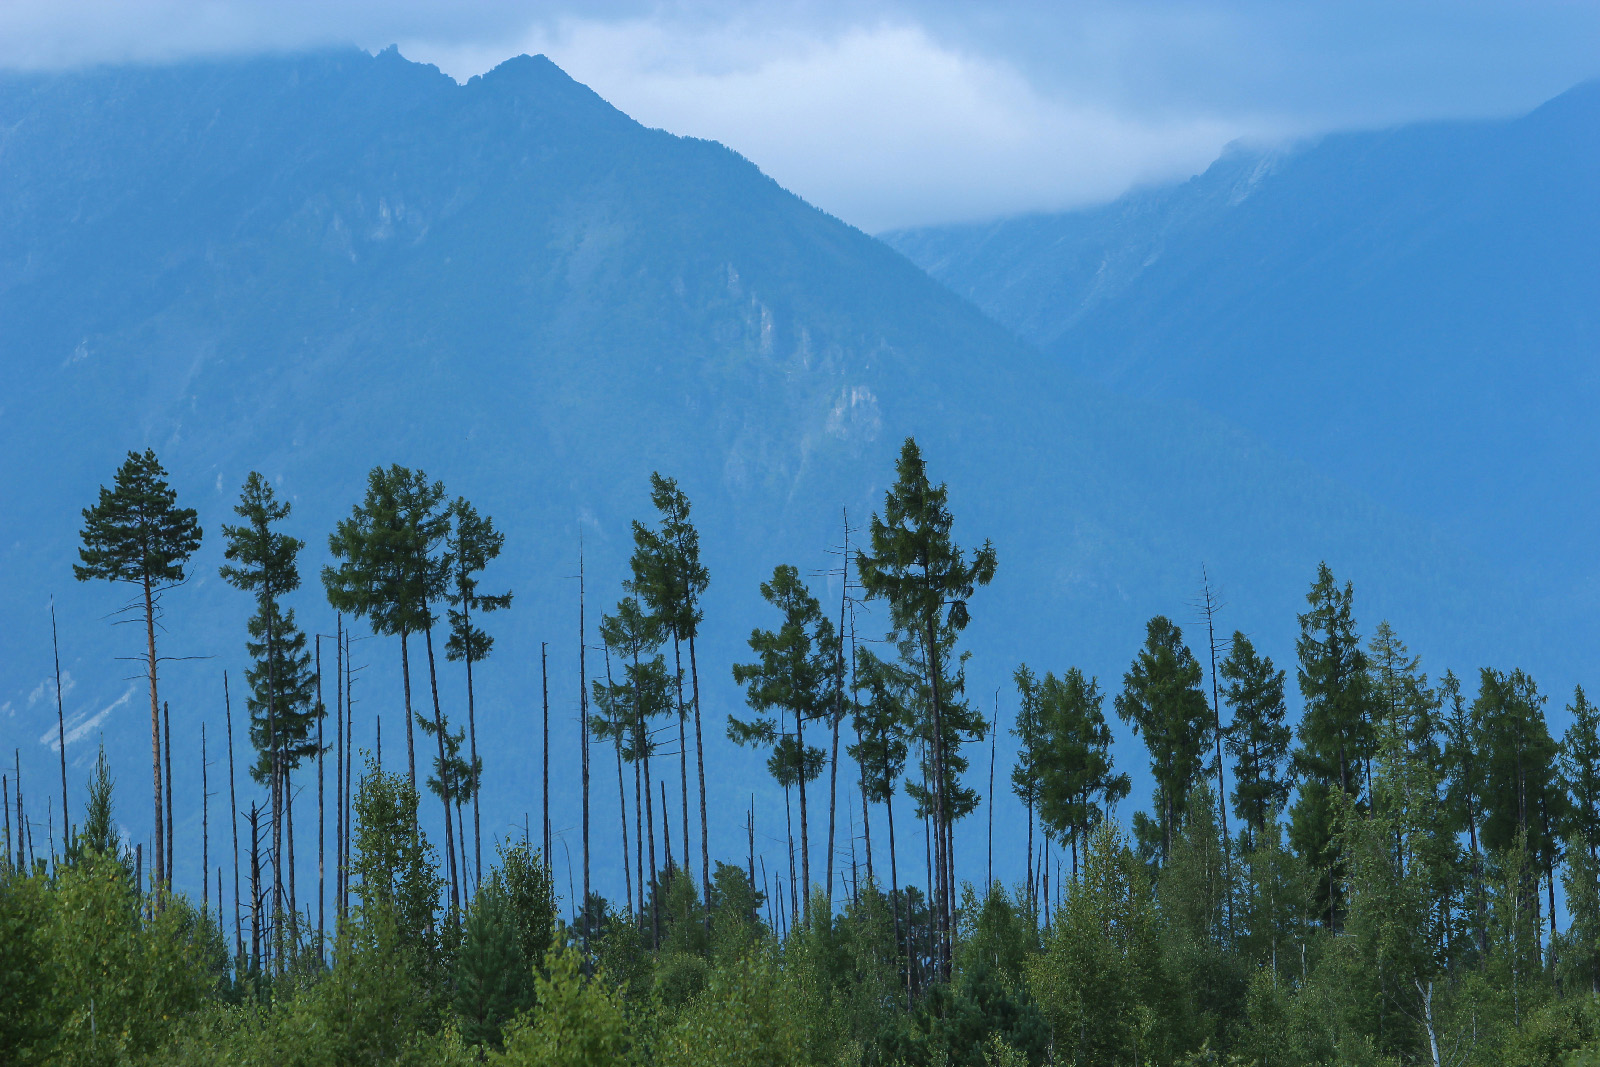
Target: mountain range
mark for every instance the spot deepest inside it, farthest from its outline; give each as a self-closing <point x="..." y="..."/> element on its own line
<point x="310" y="265"/>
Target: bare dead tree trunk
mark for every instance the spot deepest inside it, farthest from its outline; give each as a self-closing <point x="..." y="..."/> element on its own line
<point x="255" y="889"/>
<point x="472" y="752"/>
<point x="583" y="730"/>
<point x="338" y="769"/>
<point x="405" y="675"/>
<point x="544" y="686"/>
<point x="61" y="729"/>
<point x="155" y="727"/>
<point x="233" y="817"/>
<point x="166" y="721"/>
<point x="205" y="828"/>
<point x="322" y="831"/>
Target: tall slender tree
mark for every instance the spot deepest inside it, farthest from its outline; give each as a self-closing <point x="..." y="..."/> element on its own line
<point x="1337" y="741"/>
<point x="1029" y="732"/>
<point x="1580" y="771"/>
<point x="136" y="534"/>
<point x="1257" y="737"/>
<point x="1161" y="698"/>
<point x="914" y="564"/>
<point x="473" y="543"/>
<point x="795" y="673"/>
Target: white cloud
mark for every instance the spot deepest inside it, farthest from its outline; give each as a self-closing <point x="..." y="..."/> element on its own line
<point x="81" y="724"/>
<point x="882" y="125"/>
<point x="46" y="689"/>
<point x="900" y="111"/>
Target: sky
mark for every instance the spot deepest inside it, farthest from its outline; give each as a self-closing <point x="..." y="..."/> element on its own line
<point x="894" y="113"/>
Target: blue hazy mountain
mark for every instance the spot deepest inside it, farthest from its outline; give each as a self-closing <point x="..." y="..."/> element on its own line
<point x="312" y="265"/>
<point x="1412" y="311"/>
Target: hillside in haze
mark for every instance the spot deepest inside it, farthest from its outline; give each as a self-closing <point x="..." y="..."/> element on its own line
<point x="312" y="265"/>
<point x="1415" y="312"/>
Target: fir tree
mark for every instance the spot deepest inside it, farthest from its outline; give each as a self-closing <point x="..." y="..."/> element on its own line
<point x="1257" y="737"/>
<point x="1336" y="736"/>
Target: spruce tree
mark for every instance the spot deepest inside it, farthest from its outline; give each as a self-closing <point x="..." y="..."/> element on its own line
<point x="1580" y="772"/>
<point x="472" y="544"/>
<point x="1524" y="804"/>
<point x="1337" y="741"/>
<point x="794" y="674"/>
<point x="927" y="580"/>
<point x="137" y="534"/>
<point x="1257" y="737"/>
<point x="1162" y="699"/>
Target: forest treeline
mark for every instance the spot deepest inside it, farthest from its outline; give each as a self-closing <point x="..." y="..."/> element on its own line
<point x="1406" y="875"/>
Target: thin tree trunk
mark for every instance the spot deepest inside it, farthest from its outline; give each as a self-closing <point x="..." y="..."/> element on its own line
<point x="472" y="741"/>
<point x="205" y="828"/>
<point x="666" y="829"/>
<point x="349" y="754"/>
<point x="894" y="894"/>
<point x="650" y="823"/>
<point x="941" y="820"/>
<point x="700" y="770"/>
<point x="255" y="889"/>
<point x="788" y="829"/>
<point x="61" y="730"/>
<point x="993" y="729"/>
<point x="638" y="819"/>
<point x="288" y="829"/>
<point x="446" y="785"/>
<point x="544" y="687"/>
<point x="338" y="770"/>
<point x="166" y="744"/>
<point x="805" y="828"/>
<point x="622" y="807"/>
<point x="322" y="832"/>
<point x="233" y="817"/>
<point x="583" y="727"/>
<point x="155" y="728"/>
<point x="405" y="677"/>
<point x="683" y="744"/>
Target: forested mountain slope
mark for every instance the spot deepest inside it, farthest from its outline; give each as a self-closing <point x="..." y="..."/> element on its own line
<point x="312" y="265"/>
<point x="1412" y="311"/>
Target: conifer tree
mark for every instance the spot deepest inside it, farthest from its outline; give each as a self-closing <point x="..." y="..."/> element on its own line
<point x="669" y="577"/>
<point x="635" y="635"/>
<point x="1162" y="699"/>
<point x="1524" y="805"/>
<point x="137" y="534"/>
<point x="1336" y="736"/>
<point x="1076" y="783"/>
<point x="1580" y="772"/>
<point x="472" y="544"/>
<point x="915" y="565"/>
<point x="795" y="674"/>
<point x="1029" y="732"/>
<point x="387" y="573"/>
<point x="1257" y="736"/>
<point x="262" y="560"/>
<point x="1464" y="785"/>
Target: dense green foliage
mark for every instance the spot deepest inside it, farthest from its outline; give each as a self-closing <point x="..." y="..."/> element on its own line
<point x="1393" y="902"/>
